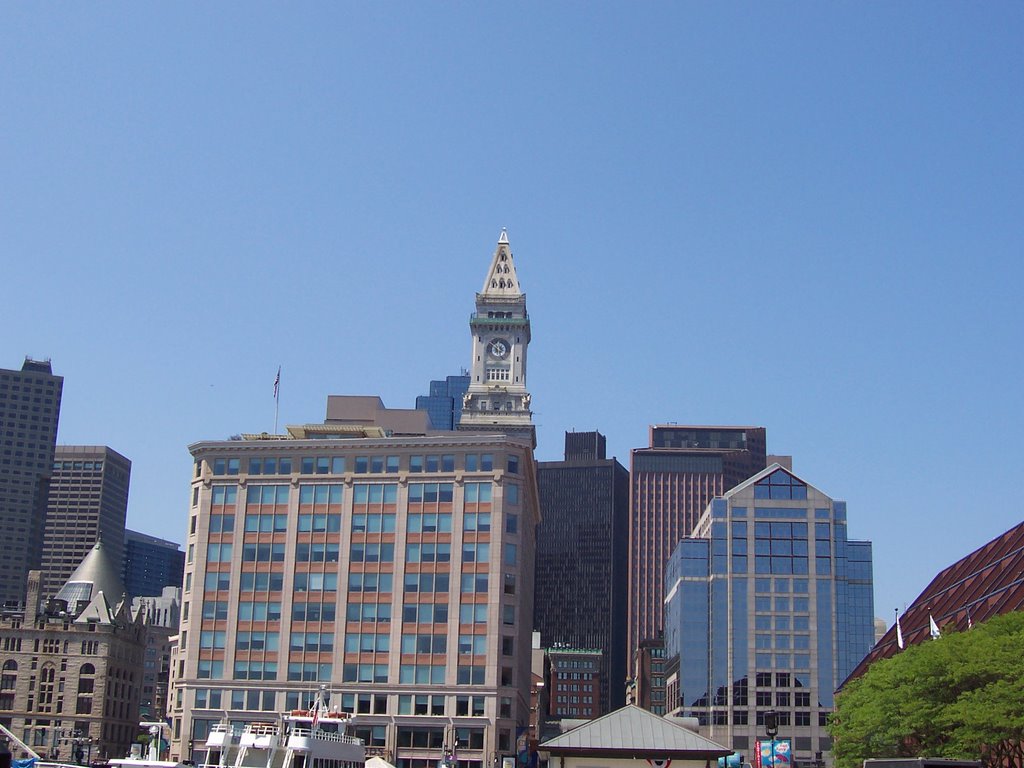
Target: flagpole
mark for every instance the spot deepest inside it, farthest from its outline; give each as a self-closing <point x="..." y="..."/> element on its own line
<point x="277" y="397"/>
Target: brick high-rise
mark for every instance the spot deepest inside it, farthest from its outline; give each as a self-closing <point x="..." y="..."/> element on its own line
<point x="672" y="482"/>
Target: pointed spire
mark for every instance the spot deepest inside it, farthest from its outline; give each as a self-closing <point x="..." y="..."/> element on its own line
<point x="502" y="280"/>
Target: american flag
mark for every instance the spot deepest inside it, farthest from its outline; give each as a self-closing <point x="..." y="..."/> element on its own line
<point x="277" y="382"/>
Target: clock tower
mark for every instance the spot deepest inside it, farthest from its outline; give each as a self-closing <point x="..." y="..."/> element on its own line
<point x="497" y="399"/>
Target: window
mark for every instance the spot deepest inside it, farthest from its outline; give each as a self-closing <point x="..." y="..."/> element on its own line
<point x="478" y="492"/>
<point x="420" y="705"/>
<point x="469" y="706"/>
<point x="421" y="673"/>
<point x="259" y="611"/>
<point x="218" y="553"/>
<point x="476" y="521"/>
<point x="425" y="644"/>
<point x="513" y="464"/>
<point x="316" y="582"/>
<point x="323" y="642"/>
<point x="512" y="493"/>
<point x="373" y="552"/>
<point x="473" y="613"/>
<point x="371" y="612"/>
<point x="314" y="612"/>
<point x="426" y="582"/>
<point x="474" y="582"/>
<point x="474" y="552"/>
<point x="262" y="582"/>
<point x="429" y="552"/>
<point x="470" y="674"/>
<point x="313" y="672"/>
<point x="370" y="582"/>
<point x="222" y="523"/>
<point x="475" y="645"/>
<point x="217" y="581"/>
<point x="425" y="613"/>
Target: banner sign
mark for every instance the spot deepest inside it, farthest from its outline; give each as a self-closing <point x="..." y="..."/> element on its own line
<point x="775" y="753"/>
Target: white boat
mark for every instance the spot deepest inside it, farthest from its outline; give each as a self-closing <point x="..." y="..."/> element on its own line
<point x="314" y="738"/>
<point x="151" y="759"/>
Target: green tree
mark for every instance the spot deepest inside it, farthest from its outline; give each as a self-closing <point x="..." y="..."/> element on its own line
<point x="959" y="696"/>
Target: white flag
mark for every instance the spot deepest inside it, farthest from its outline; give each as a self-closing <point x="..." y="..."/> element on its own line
<point x="933" y="628"/>
<point x="899" y="634"/>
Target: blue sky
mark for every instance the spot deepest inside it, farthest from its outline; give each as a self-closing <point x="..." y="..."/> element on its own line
<point x="798" y="215"/>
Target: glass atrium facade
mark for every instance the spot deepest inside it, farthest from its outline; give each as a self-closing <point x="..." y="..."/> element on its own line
<point x="768" y="606"/>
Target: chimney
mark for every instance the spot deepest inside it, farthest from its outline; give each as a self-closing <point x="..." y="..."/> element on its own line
<point x="32" y="599"/>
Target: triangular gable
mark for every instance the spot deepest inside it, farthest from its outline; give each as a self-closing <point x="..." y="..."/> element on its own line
<point x="765" y="474"/>
<point x="502" y="281"/>
<point x="634" y="729"/>
<point x="98" y="610"/>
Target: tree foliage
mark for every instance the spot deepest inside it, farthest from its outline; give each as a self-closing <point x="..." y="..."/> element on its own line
<point x="958" y="696"/>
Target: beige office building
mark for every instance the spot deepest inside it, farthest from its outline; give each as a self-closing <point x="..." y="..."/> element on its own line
<point x="388" y="562"/>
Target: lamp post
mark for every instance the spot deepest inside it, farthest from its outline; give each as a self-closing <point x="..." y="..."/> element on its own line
<point x="771" y="730"/>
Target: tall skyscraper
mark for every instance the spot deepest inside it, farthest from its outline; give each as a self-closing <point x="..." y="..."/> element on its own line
<point x="88" y="502"/>
<point x="582" y="562"/>
<point x="497" y="399"/>
<point x="395" y="569"/>
<point x="672" y="482"/>
<point x="29" y="410"/>
<point x="444" y="403"/>
<point x="768" y="606"/>
<point x="151" y="564"/>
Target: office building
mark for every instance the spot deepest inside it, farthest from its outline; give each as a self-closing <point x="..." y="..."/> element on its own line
<point x="161" y="615"/>
<point x="444" y="403"/>
<point x="397" y="570"/>
<point x="985" y="583"/>
<point x="646" y="689"/>
<point x="29" y="410"/>
<point x="583" y="559"/>
<point x="574" y="683"/>
<point x="87" y="502"/>
<point x="151" y="564"/>
<point x="70" y="665"/>
<point x="768" y="607"/>
<point x="497" y="398"/>
<point x="672" y="482"/>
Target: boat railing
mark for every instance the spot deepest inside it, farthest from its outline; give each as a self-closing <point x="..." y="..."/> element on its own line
<point x="321" y="735"/>
<point x="261" y="729"/>
<point x="231" y="730"/>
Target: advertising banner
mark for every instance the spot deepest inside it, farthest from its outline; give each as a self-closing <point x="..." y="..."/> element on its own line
<point x="773" y="754"/>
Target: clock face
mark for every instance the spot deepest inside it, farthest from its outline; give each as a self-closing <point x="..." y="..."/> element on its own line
<point x="498" y="348"/>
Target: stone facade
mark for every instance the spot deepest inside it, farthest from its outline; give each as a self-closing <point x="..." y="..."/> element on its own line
<point x="68" y="680"/>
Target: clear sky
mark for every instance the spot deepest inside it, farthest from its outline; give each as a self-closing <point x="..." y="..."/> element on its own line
<point x="806" y="216"/>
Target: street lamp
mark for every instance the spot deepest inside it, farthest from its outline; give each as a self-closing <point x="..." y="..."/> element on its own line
<point x="771" y="730"/>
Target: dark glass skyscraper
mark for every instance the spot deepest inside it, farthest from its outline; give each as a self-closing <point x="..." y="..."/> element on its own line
<point x="444" y="403"/>
<point x="150" y="564"/>
<point x="29" y="410"/>
<point x="582" y="557"/>
<point x="672" y="482"/>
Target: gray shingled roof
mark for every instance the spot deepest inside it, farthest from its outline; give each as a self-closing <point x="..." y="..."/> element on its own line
<point x="635" y="730"/>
